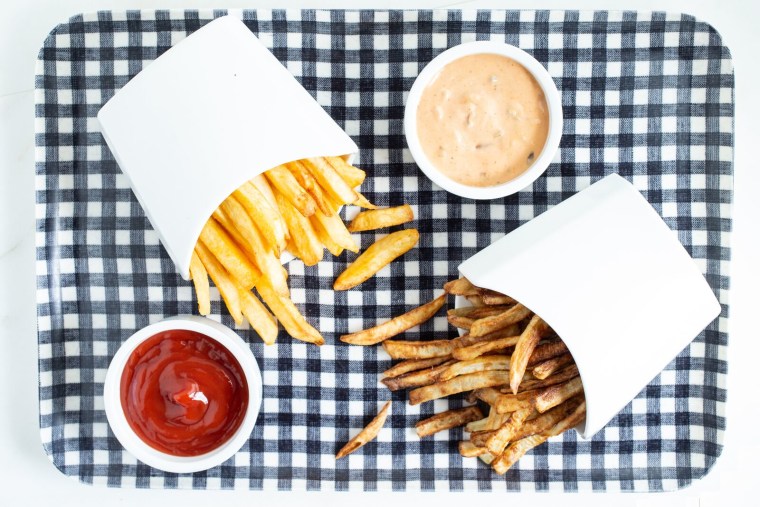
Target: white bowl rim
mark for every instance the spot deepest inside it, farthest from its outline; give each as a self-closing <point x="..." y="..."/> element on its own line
<point x="153" y="457"/>
<point x="553" y="100"/>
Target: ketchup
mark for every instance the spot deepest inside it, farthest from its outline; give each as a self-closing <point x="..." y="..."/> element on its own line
<point x="183" y="393"/>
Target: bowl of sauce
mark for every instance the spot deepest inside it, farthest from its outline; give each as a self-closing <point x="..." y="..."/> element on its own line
<point x="483" y="120"/>
<point x="182" y="395"/>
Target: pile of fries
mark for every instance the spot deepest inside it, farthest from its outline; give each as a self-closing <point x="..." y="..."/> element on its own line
<point x="292" y="207"/>
<point x="508" y="361"/>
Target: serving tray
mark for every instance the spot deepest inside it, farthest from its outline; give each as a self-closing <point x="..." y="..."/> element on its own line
<point x="645" y="95"/>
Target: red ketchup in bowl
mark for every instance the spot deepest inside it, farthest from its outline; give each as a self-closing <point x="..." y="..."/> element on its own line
<point x="183" y="393"/>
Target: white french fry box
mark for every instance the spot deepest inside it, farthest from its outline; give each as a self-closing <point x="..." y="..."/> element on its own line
<point x="609" y="276"/>
<point x="212" y="112"/>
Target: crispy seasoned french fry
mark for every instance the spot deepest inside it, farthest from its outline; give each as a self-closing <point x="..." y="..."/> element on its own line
<point x="262" y="253"/>
<point x="330" y="180"/>
<point x="478" y="349"/>
<point x="287" y="313"/>
<point x="396" y="325"/>
<point x="478" y="312"/>
<point x="456" y="385"/>
<point x="336" y="229"/>
<point x="324" y="237"/>
<point x="353" y="176"/>
<point x="403" y="349"/>
<point x="222" y="280"/>
<point x="273" y="211"/>
<point x="491" y="297"/>
<point x="460" y="287"/>
<point x="469" y="450"/>
<point x="483" y="363"/>
<point x="571" y="421"/>
<point x="548" y="419"/>
<point x="490" y="324"/>
<point x="447" y="420"/>
<point x="258" y="316"/>
<point x="497" y="442"/>
<point x="506" y="403"/>
<point x="559" y="377"/>
<point x="363" y="202"/>
<point x="200" y="280"/>
<point x="516" y="451"/>
<point x="554" y="395"/>
<point x="288" y="187"/>
<point x="308" y="183"/>
<point x="302" y="234"/>
<point x="383" y="217"/>
<point x="523" y="349"/>
<point x="546" y="368"/>
<point x="467" y="339"/>
<point x="546" y="351"/>
<point x="266" y="218"/>
<point x="417" y="378"/>
<point x="224" y="248"/>
<point x="411" y="365"/>
<point x="367" y="434"/>
<point x="377" y="256"/>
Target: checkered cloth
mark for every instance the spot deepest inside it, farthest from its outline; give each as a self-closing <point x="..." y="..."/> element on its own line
<point x="648" y="96"/>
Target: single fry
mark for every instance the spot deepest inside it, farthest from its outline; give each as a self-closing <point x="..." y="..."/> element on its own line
<point x="308" y="183"/>
<point x="489" y="324"/>
<point x="336" y="229"/>
<point x="367" y="434"/>
<point x="258" y="316"/>
<point x="484" y="363"/>
<point x="200" y="280"/>
<point x="287" y="313"/>
<point x="363" y="202"/>
<point x="353" y="176"/>
<point x="266" y="218"/>
<point x="396" y="325"/>
<point x="378" y="218"/>
<point x="419" y="378"/>
<point x="548" y="367"/>
<point x="447" y="420"/>
<point x="324" y="237"/>
<point x="222" y="280"/>
<point x="571" y="421"/>
<point x="281" y="229"/>
<point x="456" y="385"/>
<point x="558" y="378"/>
<point x="330" y="180"/>
<point x="469" y="450"/>
<point x="554" y="395"/>
<point x="548" y="419"/>
<point x="302" y="234"/>
<point x="516" y="451"/>
<point x="460" y="287"/>
<point x="506" y="403"/>
<point x="523" y="349"/>
<point x="478" y="349"/>
<point x="546" y="351"/>
<point x="411" y="365"/>
<point x="224" y="248"/>
<point x="377" y="256"/>
<point x="288" y="187"/>
<point x="491" y="297"/>
<point x="403" y="349"/>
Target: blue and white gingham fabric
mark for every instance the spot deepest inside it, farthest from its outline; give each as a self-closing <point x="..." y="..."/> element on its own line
<point x="648" y="96"/>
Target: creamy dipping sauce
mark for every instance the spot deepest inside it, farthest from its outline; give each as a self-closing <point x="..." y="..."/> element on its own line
<point x="483" y="120"/>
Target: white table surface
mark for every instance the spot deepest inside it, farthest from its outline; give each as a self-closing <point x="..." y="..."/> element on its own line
<point x="27" y="477"/>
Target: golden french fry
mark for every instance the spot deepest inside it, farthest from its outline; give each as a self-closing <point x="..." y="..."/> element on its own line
<point x="447" y="420"/>
<point x="330" y="180"/>
<point x="324" y="237"/>
<point x="258" y="317"/>
<point x="424" y="377"/>
<point x="280" y="227"/>
<point x="548" y="367"/>
<point x="523" y="349"/>
<point x="559" y="377"/>
<point x="456" y="385"/>
<point x="377" y="256"/>
<point x="263" y="255"/>
<point x="478" y="349"/>
<point x="396" y="325"/>
<point x="229" y="254"/>
<point x="287" y="313"/>
<point x="336" y="229"/>
<point x="363" y="202"/>
<point x="571" y="421"/>
<point x="367" y="434"/>
<point x="507" y="403"/>
<point x="353" y="176"/>
<point x="469" y="450"/>
<point x="497" y="442"/>
<point x="403" y="349"/>
<point x="288" y="187"/>
<point x="478" y="312"/>
<point x="494" y="298"/>
<point x="222" y="280"/>
<point x="554" y="395"/>
<point x="200" y="280"/>
<point x="489" y="324"/>
<point x="516" y="451"/>
<point x="548" y="419"/>
<point x="467" y="339"/>
<point x="460" y="287"/>
<point x="411" y="365"/>
<point x="302" y="234"/>
<point x="378" y="218"/>
<point x="483" y="363"/>
<point x="309" y="183"/>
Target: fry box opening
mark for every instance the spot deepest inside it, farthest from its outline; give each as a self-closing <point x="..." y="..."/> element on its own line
<point x="212" y="112"/>
<point x="608" y="275"/>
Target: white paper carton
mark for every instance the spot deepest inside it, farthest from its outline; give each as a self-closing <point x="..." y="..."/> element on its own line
<point x="609" y="276"/>
<point x="212" y="112"/>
